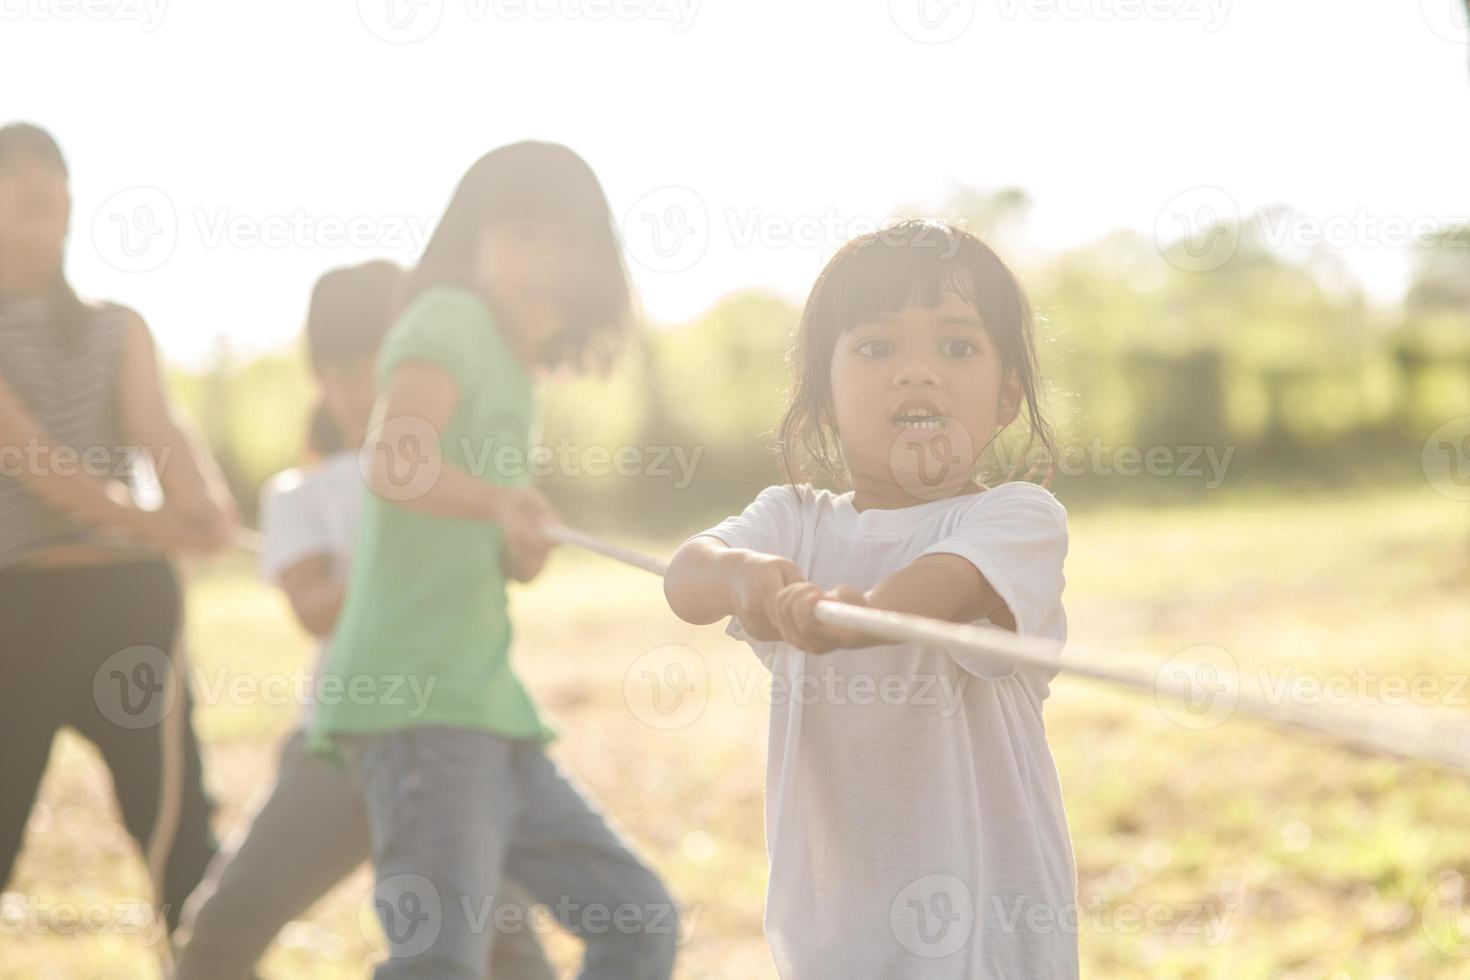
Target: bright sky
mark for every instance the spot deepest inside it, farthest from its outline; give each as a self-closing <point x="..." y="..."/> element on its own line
<point x="221" y="153"/>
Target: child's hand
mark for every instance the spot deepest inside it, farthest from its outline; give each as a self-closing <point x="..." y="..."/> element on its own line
<point x="524" y="565"/>
<point x="216" y="518"/>
<point x="753" y="589"/>
<point x="521" y="514"/>
<point x="796" y="618"/>
<point x="170" y="531"/>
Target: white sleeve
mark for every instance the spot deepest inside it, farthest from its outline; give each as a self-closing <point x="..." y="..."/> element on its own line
<point x="1016" y="536"/>
<point x="292" y="529"/>
<point x="771" y="524"/>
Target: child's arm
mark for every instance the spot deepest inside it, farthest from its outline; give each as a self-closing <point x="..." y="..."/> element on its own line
<point x="193" y="486"/>
<point x="315" y="592"/>
<point x="526" y="563"/>
<point x="408" y="469"/>
<point x="945" y="587"/>
<point x="1002" y="561"/>
<point x="89" y="500"/>
<point x="708" y="580"/>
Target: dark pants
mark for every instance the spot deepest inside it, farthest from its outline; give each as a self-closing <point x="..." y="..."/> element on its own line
<point x="88" y="647"/>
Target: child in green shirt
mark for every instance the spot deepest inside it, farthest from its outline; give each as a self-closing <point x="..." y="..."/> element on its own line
<point x="522" y="273"/>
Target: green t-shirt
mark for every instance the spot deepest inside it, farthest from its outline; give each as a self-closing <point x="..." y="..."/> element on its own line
<point x="423" y="639"/>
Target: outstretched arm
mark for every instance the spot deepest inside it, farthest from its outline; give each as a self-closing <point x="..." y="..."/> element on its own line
<point x="708" y="580"/>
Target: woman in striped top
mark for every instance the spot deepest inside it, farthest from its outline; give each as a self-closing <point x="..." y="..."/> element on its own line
<point x="89" y="604"/>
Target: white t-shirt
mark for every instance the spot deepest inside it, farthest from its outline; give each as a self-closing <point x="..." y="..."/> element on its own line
<point x="914" y="818"/>
<point x="311" y="512"/>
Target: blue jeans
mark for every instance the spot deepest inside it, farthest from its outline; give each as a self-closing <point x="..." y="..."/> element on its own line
<point x="309" y="834"/>
<point x="453" y="811"/>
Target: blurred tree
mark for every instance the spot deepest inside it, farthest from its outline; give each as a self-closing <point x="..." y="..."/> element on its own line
<point x="1277" y="351"/>
<point x="253" y="414"/>
<point x="1441" y="273"/>
<point x="1433" y="345"/>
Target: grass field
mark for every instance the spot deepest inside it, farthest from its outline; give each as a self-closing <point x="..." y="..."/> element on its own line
<point x="1226" y="852"/>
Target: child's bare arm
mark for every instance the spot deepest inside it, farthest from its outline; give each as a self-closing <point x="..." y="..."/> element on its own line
<point x="90" y="500"/>
<point x="316" y="593"/>
<point x="708" y="580"/>
<point x="82" y="497"/>
<point x="409" y="470"/>
<point x="945" y="587"/>
<point x="407" y="466"/>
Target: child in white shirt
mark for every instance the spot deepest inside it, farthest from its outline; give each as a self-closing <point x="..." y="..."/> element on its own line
<point x="914" y="818"/>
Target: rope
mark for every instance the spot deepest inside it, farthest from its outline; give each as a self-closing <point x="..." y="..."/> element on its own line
<point x="1410" y="734"/>
<point x="170" y="787"/>
<point x="1403" y="733"/>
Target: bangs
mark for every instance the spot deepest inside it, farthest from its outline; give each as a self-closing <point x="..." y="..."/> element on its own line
<point x="910" y="264"/>
<point x="550" y="190"/>
<point x="913" y="264"/>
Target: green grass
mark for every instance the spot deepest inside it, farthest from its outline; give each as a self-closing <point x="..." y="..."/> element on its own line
<point x="1313" y="861"/>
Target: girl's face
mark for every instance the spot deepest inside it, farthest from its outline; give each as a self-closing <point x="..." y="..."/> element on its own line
<point x="523" y="267"/>
<point x="917" y="395"/>
<point x="349" y="390"/>
<point x="34" y="209"/>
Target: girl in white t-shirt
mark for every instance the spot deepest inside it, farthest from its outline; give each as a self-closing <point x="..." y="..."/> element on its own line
<point x="914" y="818"/>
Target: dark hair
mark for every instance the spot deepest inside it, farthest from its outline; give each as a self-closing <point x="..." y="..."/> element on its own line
<point x="538" y="182"/>
<point x="323" y="435"/>
<point x="350" y="313"/>
<point x="25" y="142"/>
<point x="911" y="262"/>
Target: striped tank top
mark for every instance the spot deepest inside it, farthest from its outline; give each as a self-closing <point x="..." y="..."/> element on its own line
<point x="71" y="390"/>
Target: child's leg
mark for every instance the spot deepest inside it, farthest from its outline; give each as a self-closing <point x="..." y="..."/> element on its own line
<point x="307" y="836"/>
<point x="441" y="804"/>
<point x="568" y="857"/>
<point x="310" y="834"/>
